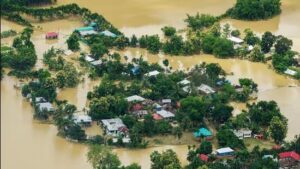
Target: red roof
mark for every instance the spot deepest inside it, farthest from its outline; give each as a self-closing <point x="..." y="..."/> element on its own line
<point x="123" y="129"/>
<point x="52" y="34"/>
<point x="290" y="154"/>
<point x="156" y="116"/>
<point x="276" y="147"/>
<point x="203" y="157"/>
<point x="137" y="107"/>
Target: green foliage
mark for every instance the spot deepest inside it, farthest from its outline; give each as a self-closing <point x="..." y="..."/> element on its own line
<point x="281" y="62"/>
<point x="133" y="41"/>
<point x="169" y="31"/>
<point x="75" y="132"/>
<point x="256" y="55"/>
<point x="200" y="21"/>
<point x="226" y="138"/>
<point x="153" y="44"/>
<point x="73" y="42"/>
<point x="194" y="107"/>
<point x="221" y="113"/>
<point x="102" y="157"/>
<point x="250" y="37"/>
<point x="262" y="112"/>
<point x="98" y="50"/>
<point x="67" y="77"/>
<point x="8" y="33"/>
<point x="107" y="107"/>
<point x="278" y="129"/>
<point x="208" y="43"/>
<point x="235" y="33"/>
<point x="255" y="9"/>
<point x="283" y="45"/>
<point x="223" y="48"/>
<point x="205" y="148"/>
<point x="267" y="41"/>
<point x="165" y="160"/>
<point x="174" y="45"/>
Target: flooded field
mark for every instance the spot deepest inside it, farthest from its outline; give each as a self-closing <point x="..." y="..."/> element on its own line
<point x="30" y="145"/>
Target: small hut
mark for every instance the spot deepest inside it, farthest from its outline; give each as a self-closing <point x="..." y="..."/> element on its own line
<point x="51" y="35"/>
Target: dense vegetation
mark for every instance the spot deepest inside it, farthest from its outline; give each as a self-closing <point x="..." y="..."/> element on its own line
<point x="255" y="9"/>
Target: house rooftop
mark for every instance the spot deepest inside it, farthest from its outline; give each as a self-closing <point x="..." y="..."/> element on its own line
<point x="45" y="106"/>
<point x="203" y="132"/>
<point x="81" y="118"/>
<point x="134" y="98"/>
<point x="184" y="82"/>
<point x="224" y="150"/>
<point x="166" y="100"/>
<point x="88" y="58"/>
<point x="290" y="72"/>
<point x="165" y="114"/>
<point x="206" y="89"/>
<point x="87" y="28"/>
<point x="96" y="62"/>
<point x="290" y="154"/>
<point x="236" y="39"/>
<point x="152" y="73"/>
<point x="203" y="157"/>
<point x="89" y="32"/>
<point x="108" y="33"/>
<point x="113" y="124"/>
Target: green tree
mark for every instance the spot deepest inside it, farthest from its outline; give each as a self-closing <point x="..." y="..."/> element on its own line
<point x="153" y="44"/>
<point x="223" y="48"/>
<point x="226" y="138"/>
<point x="221" y="113"/>
<point x="278" y="129"/>
<point x="73" y="42"/>
<point x="200" y="21"/>
<point x="194" y="107"/>
<point x="169" y="31"/>
<point x="101" y="157"/>
<point x="177" y="131"/>
<point x="263" y="112"/>
<point x="208" y="43"/>
<point x="165" y="160"/>
<point x="267" y="41"/>
<point x="255" y="9"/>
<point x="98" y="50"/>
<point x="283" y="45"/>
<point x="250" y="37"/>
<point x="133" y="41"/>
<point x="256" y="55"/>
<point x="205" y="148"/>
<point x="174" y="45"/>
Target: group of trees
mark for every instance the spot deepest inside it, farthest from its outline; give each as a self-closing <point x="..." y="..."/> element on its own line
<point x="255" y="9"/>
<point x="22" y="57"/>
<point x="67" y="75"/>
<point x="13" y="11"/>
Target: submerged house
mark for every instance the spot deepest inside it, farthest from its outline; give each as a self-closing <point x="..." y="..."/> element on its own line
<point x="96" y="63"/>
<point x="51" y="35"/>
<point x="108" y="33"/>
<point x="87" y="33"/>
<point x="290" y="72"/>
<point x="47" y="106"/>
<point x="203" y="132"/>
<point x="89" y="58"/>
<point x="289" y="159"/>
<point x="184" y="82"/>
<point x="38" y="100"/>
<point x="236" y="40"/>
<point x="135" y="70"/>
<point x="243" y="133"/>
<point x="165" y="114"/>
<point x="206" y="89"/>
<point x="135" y="98"/>
<point x="114" y="127"/>
<point x="225" y="152"/>
<point x="203" y="157"/>
<point x="152" y="73"/>
<point x="82" y="119"/>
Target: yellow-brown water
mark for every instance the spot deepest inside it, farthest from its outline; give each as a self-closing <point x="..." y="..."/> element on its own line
<point x="30" y="145"/>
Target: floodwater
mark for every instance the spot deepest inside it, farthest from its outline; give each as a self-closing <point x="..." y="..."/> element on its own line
<point x="30" y="145"/>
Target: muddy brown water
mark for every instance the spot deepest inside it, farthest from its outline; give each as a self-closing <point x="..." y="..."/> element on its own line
<point x="29" y="144"/>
